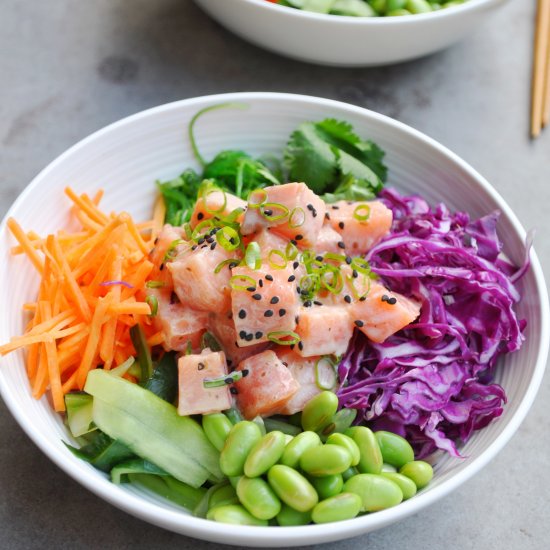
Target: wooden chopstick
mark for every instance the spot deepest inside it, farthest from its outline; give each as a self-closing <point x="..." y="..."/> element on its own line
<point x="540" y="102"/>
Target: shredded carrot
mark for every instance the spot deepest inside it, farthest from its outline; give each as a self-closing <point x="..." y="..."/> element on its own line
<point x="90" y="295"/>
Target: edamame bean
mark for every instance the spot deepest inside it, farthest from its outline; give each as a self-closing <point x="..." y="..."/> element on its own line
<point x="272" y="424"/>
<point x="395" y="449"/>
<point x="258" y="497"/>
<point x="288" y="517"/>
<point x="370" y="461"/>
<point x="288" y="439"/>
<point x="388" y="468"/>
<point x="395" y="13"/>
<point x="407" y="486"/>
<point x="350" y="472"/>
<point x="376" y="492"/>
<point x="395" y="5"/>
<point x="234" y="514"/>
<point x="216" y="427"/>
<point x="264" y="454"/>
<point x="240" y="441"/>
<point x="319" y="410"/>
<point x="337" y="508"/>
<point x="347" y="443"/>
<point x="301" y="443"/>
<point x="419" y="471"/>
<point x="292" y="488"/>
<point x="234" y="480"/>
<point x="222" y="496"/>
<point x="379" y="6"/>
<point x="418" y="6"/>
<point x="326" y="460"/>
<point x="328" y="486"/>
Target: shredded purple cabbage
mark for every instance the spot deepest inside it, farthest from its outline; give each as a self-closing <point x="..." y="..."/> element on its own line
<point x="432" y="382"/>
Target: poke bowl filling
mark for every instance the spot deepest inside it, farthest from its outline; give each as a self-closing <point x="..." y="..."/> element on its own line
<point x="283" y="343"/>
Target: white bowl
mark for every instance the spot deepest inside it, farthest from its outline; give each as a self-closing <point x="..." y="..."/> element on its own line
<point x="125" y="158"/>
<point x="347" y="41"/>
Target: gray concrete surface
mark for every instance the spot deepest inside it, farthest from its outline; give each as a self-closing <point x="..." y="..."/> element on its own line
<point x="68" y="67"/>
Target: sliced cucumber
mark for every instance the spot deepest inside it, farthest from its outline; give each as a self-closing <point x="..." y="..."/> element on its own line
<point x="152" y="428"/>
<point x="79" y="413"/>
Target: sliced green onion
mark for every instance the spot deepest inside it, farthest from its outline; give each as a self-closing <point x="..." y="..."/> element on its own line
<point x="315" y="265"/>
<point x="283" y="337"/>
<point x="273" y="263"/>
<point x="274" y="207"/>
<point x="247" y="282"/>
<point x="297" y="217"/>
<point x="361" y="265"/>
<point x="232" y="216"/>
<point x="155" y="284"/>
<point x="188" y="348"/>
<point x="228" y="238"/>
<point x="171" y="250"/>
<point x="221" y="265"/>
<point x="209" y="341"/>
<point x="352" y="282"/>
<point x="291" y="251"/>
<point x="336" y="284"/>
<point x="221" y="381"/>
<point x="259" y="196"/>
<point x="310" y="283"/>
<point x="362" y="212"/>
<point x="340" y="258"/>
<point x="325" y="374"/>
<point x="252" y="256"/>
<point x="214" y="189"/>
<point x="123" y="368"/>
<point x="153" y="304"/>
<point x="198" y="231"/>
<point x="188" y="231"/>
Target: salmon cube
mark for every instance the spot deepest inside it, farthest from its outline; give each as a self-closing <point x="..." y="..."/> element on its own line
<point x="382" y="313"/>
<point x="222" y="327"/>
<point x="181" y="326"/>
<point x="216" y="203"/>
<point x="303" y="371"/>
<point x="168" y="244"/>
<point x="323" y="330"/>
<point x="354" y="286"/>
<point x="194" y="398"/>
<point x="266" y="302"/>
<point x="195" y="281"/>
<point x="305" y="223"/>
<point x="327" y="241"/>
<point x="268" y="241"/>
<point x="359" y="235"/>
<point x="267" y="386"/>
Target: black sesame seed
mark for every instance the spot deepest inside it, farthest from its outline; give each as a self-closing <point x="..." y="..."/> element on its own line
<point x="213" y="245"/>
<point x="318" y="303"/>
<point x="307" y="303"/>
<point x="274" y="300"/>
<point x="334" y="207"/>
<point x="341" y="244"/>
<point x="242" y="334"/>
<point x="347" y="298"/>
<point x="269" y="277"/>
<point x="249" y="337"/>
<point x="257" y="296"/>
<point x="354" y="274"/>
<point x="194" y="247"/>
<point x="161" y="266"/>
<point x="245" y="372"/>
<point x="209" y="240"/>
<point x="258" y="335"/>
<point x="233" y="390"/>
<point x="285" y="363"/>
<point x="310" y="207"/>
<point x="268" y="212"/>
<point x="260" y="283"/>
<point x="228" y="380"/>
<point x="204" y="246"/>
<point x="327" y="216"/>
<point x="156" y="241"/>
<point x="359" y="323"/>
<point x="295" y="265"/>
<point x="300" y="346"/>
<point x="200" y="216"/>
<point x="298" y="290"/>
<point x="392" y="301"/>
<point x="348" y="260"/>
<point x="297" y="319"/>
<point x="362" y="299"/>
<point x="299" y="237"/>
<point x="384" y="298"/>
<point x="292" y="278"/>
<point x="200" y="366"/>
<point x="268" y="313"/>
<point x="314" y="213"/>
<point x="251" y="288"/>
<point x="242" y="314"/>
<point x="341" y="225"/>
<point x="233" y="264"/>
<point x="291" y="346"/>
<point x="232" y="240"/>
<point x="319" y="258"/>
<point x="282" y="312"/>
<point x="201" y="240"/>
<point x="304" y="292"/>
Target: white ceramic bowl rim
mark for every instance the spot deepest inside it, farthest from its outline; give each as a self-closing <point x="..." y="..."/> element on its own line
<point x="469" y="5"/>
<point x="290" y="536"/>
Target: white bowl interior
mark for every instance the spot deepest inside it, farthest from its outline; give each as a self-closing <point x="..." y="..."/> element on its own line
<point x="127" y="157"/>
